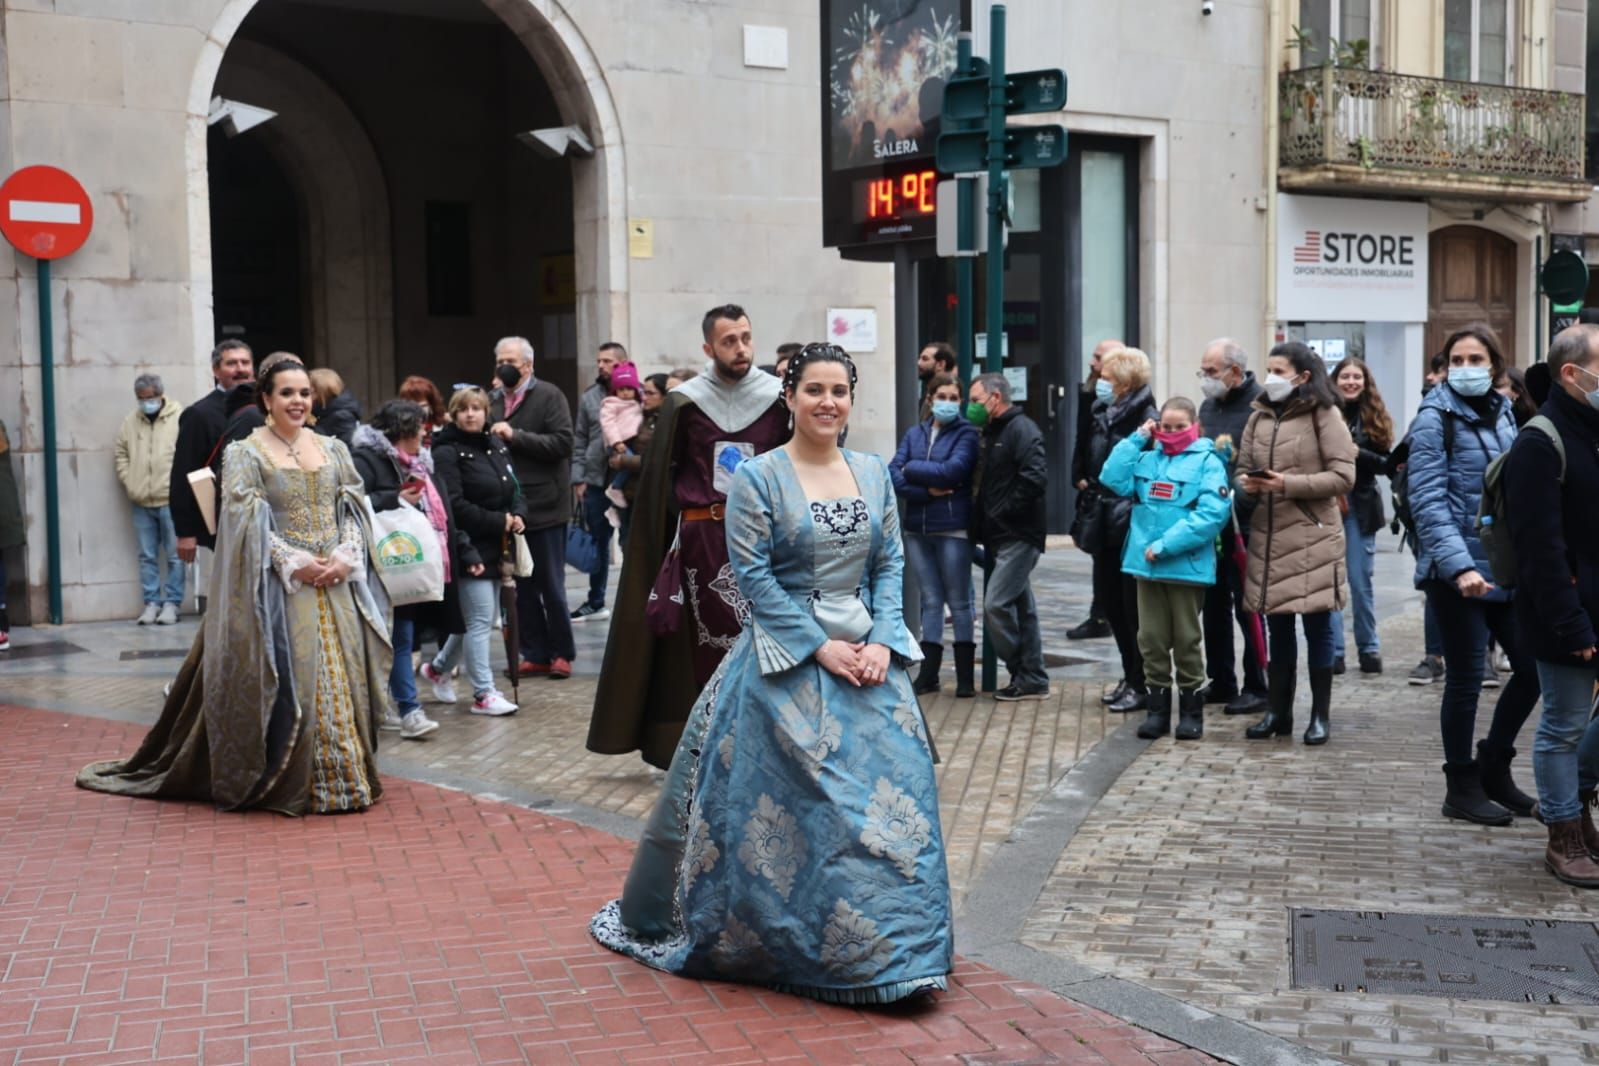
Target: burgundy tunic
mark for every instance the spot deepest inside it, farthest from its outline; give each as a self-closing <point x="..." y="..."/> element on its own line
<point x="703" y="462"/>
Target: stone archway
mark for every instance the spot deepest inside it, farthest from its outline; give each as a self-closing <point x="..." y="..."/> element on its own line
<point x="577" y="80"/>
<point x="331" y="162"/>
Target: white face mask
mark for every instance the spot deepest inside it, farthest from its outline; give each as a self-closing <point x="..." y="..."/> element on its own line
<point x="1213" y="388"/>
<point x="1593" y="396"/>
<point x="1278" y="388"/>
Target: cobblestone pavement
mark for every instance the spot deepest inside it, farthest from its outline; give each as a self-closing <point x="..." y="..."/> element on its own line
<point x="1183" y="876"/>
<point x="435" y="928"/>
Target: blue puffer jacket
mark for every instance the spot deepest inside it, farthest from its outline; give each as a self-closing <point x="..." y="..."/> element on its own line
<point x="946" y="461"/>
<point x="1181" y="503"/>
<point x="1451" y="446"/>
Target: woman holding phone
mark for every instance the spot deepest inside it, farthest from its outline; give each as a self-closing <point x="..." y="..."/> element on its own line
<point x="398" y="472"/>
<point x="1296" y="459"/>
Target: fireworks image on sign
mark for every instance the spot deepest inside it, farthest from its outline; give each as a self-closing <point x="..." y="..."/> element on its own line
<point x="889" y="64"/>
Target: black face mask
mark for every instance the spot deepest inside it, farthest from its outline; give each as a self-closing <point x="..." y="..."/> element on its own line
<point x="509" y="374"/>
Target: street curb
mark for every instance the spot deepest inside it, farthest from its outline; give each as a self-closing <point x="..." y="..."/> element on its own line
<point x="989" y="926"/>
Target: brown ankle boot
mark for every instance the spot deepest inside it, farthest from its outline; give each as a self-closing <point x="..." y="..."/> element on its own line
<point x="1590" y="834"/>
<point x="1567" y="858"/>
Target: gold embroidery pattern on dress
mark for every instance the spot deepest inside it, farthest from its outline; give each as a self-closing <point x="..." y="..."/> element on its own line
<point x="339" y="782"/>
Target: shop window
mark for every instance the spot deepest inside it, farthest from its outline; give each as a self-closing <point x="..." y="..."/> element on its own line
<point x="1335" y="30"/>
<point x="1477" y="41"/>
<point x="1593" y="91"/>
<point x="1105" y="226"/>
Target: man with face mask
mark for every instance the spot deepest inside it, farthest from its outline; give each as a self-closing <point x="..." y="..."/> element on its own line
<point x="1552" y="499"/>
<point x="705" y="429"/>
<point x="143" y="453"/>
<point x="590" y="472"/>
<point x="533" y="419"/>
<point x="1230" y="392"/>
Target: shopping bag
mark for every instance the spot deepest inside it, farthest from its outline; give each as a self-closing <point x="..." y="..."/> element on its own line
<point x="407" y="555"/>
<point x="522" y="558"/>
<point x="582" y="554"/>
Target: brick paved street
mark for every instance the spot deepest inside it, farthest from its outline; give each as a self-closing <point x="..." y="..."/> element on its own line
<point x="436" y="928"/>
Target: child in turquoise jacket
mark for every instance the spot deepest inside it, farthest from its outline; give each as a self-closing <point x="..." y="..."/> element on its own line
<point x="1181" y="502"/>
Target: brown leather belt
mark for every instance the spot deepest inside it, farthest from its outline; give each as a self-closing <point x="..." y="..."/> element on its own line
<point x="716" y="512"/>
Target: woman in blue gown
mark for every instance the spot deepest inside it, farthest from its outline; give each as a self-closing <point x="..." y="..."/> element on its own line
<point x="796" y="842"/>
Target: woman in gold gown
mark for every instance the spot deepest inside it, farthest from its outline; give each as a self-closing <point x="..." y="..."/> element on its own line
<point x="277" y="703"/>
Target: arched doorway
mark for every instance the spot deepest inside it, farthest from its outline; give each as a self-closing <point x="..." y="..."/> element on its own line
<point x="1471" y="278"/>
<point x="425" y="229"/>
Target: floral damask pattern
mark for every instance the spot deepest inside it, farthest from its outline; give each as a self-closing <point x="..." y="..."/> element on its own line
<point x="807" y="729"/>
<point x="739" y="950"/>
<point x="700" y="853"/>
<point x="909" y="719"/>
<point x="851" y="947"/>
<point x="773" y="846"/>
<point x="895" y="828"/>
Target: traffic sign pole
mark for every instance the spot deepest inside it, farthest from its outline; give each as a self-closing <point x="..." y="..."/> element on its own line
<point x="47" y="397"/>
<point x="995" y="297"/>
<point x="966" y="239"/>
<point x="45" y="214"/>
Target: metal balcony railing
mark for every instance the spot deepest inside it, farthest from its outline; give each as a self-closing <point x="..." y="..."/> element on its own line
<point x="1383" y="122"/>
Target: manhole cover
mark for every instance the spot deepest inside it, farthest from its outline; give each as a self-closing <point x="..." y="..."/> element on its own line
<point x="40" y="651"/>
<point x="1457" y="956"/>
<point x="153" y="653"/>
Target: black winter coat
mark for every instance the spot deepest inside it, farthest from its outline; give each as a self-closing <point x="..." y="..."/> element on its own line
<point x="339" y="418"/>
<point x="1015" y="475"/>
<point x="541" y="451"/>
<point x="1365" y="502"/>
<point x="474" y="471"/>
<point x="1114" y="422"/>
<point x="382" y="478"/>
<point x="1552" y="527"/>
<point x="1223" y="421"/>
<point x="200" y="428"/>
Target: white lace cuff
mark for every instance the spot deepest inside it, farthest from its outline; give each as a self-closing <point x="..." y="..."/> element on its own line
<point x="286" y="561"/>
<point x="352" y="556"/>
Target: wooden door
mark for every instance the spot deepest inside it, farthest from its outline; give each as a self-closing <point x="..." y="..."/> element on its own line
<point x="1471" y="278"/>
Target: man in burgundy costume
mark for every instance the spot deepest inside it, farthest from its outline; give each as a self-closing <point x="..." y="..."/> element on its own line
<point x="707" y="426"/>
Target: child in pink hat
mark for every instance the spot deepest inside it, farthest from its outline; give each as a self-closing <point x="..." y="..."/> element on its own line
<point x="621" y="415"/>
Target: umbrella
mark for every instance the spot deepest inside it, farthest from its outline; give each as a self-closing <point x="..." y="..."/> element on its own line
<point x="1254" y="629"/>
<point x="510" y="624"/>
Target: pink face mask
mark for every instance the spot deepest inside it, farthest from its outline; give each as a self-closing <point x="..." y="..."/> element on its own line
<point x="1177" y="443"/>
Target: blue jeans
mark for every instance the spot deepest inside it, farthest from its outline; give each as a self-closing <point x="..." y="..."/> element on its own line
<point x="402" y="676"/>
<point x="1565" y="751"/>
<point x="943" y="568"/>
<point x="158" y="541"/>
<point x="478" y="601"/>
<point x="594" y="507"/>
<point x="1011" y="615"/>
<point x="1360" y="556"/>
<point x="1283" y="643"/>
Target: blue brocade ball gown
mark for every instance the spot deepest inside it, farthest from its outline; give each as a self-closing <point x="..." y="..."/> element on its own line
<point x="796" y="841"/>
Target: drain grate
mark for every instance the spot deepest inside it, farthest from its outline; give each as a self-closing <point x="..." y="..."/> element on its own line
<point x="1456" y="956"/>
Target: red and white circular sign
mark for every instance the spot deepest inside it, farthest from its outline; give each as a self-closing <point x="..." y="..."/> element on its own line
<point x="44" y="212"/>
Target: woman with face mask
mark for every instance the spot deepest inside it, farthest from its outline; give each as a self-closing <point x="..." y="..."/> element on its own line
<point x="1122" y="403"/>
<point x="1296" y="459"/>
<point x="932" y="472"/>
<point x="1463" y="426"/>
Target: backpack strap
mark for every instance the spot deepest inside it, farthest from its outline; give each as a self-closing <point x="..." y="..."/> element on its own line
<point x="1548" y="429"/>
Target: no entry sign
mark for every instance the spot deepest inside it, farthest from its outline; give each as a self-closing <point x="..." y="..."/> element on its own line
<point x="44" y="212"/>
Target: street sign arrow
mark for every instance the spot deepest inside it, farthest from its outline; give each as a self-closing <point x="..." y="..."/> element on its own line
<point x="1029" y="92"/>
<point x="1026" y="147"/>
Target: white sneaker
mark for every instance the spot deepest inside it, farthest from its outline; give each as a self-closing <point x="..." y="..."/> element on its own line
<point x="168" y="615"/>
<point x="618" y="497"/>
<point x="416" y="725"/>
<point x="493" y="704"/>
<point x="443" y="687"/>
<point x="148" y="617"/>
<point x="389" y="721"/>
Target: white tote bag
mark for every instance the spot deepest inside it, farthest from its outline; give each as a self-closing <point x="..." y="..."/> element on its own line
<point x="408" y="558"/>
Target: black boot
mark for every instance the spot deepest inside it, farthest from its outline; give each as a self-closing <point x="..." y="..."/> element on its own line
<point x="932" y="658"/>
<point x="1191" y="715"/>
<point x="1320" y="704"/>
<point x="1246" y="702"/>
<point x="1493" y="766"/>
<point x="965" y="654"/>
<point x="1114" y="694"/>
<point x="1279" y="720"/>
<point x="1157" y="723"/>
<point x="1467" y="801"/>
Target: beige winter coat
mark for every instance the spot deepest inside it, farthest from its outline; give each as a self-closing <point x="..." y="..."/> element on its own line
<point x="143" y="454"/>
<point x="1296" y="537"/>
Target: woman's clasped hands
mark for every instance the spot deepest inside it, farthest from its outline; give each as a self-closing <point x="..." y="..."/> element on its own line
<point x="320" y="573"/>
<point x="858" y="663"/>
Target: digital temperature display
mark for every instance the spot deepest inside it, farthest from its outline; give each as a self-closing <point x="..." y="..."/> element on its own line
<point x="911" y="195"/>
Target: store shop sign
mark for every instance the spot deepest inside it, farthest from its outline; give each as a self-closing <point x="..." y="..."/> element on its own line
<point x="1345" y="260"/>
